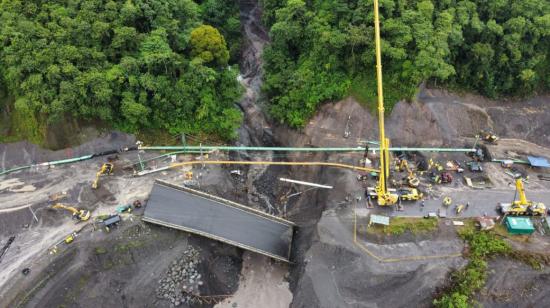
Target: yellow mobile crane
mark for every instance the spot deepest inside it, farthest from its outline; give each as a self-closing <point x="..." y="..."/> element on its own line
<point x="381" y="192"/>
<point x="522" y="206"/>
<point x="77" y="213"/>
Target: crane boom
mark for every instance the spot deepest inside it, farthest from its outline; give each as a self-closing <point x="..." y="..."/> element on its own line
<point x="521" y="191"/>
<point x="384" y="196"/>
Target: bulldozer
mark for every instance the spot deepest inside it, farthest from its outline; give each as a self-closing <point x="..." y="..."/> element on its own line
<point x="522" y="207"/>
<point x="106" y="169"/>
<point x="81" y="215"/>
<point x="488" y="137"/>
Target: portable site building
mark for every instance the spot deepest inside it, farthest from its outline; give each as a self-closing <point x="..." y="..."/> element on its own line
<point x="519" y="225"/>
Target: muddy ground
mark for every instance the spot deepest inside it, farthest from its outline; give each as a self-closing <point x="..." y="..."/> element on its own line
<point x="328" y="269"/>
<point x="125" y="267"/>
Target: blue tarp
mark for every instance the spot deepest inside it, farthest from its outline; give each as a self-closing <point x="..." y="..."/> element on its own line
<point x="538" y="161"/>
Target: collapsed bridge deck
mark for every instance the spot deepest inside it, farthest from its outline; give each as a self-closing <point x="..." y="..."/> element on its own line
<point x="216" y="218"/>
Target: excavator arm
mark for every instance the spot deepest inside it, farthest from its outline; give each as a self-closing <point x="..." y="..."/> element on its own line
<point x="105" y="169"/>
<point x="64" y="207"/>
<point x="77" y="213"/>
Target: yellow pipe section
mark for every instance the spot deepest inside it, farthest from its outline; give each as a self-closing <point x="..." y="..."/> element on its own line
<point x="279" y="163"/>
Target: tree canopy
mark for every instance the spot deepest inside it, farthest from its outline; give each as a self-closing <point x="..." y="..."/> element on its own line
<point x="137" y="64"/>
<point x="324" y="50"/>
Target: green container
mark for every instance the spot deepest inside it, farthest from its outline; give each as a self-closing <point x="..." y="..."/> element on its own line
<point x="519" y="225"/>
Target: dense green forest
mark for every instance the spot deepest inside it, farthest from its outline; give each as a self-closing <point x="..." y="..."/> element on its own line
<point x="171" y="65"/>
<point x="134" y="64"/>
<point x="324" y="50"/>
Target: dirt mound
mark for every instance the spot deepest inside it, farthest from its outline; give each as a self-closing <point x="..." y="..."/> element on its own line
<point x="437" y="118"/>
<point x="25" y="153"/>
<point x="515" y="284"/>
<point x="123" y="269"/>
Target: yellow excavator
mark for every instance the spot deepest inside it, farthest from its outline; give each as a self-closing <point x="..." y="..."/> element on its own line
<point x="79" y="214"/>
<point x="106" y="169"/>
<point x="488" y="137"/>
<point x="381" y="192"/>
<point x="412" y="179"/>
<point x="522" y="207"/>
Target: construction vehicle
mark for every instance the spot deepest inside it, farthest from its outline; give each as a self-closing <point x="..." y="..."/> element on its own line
<point x="447" y="201"/>
<point x="69" y="239"/>
<point x="124" y="208"/>
<point x="444" y="177"/>
<point x="477" y="155"/>
<point x="488" y="137"/>
<point x="79" y="214"/>
<point x="410" y="194"/>
<point x="475" y="166"/>
<point x="454" y="166"/>
<point x="434" y="165"/>
<point x="106" y="169"/>
<point x="459" y="208"/>
<point x="110" y="222"/>
<point x="522" y="207"/>
<point x="385" y="197"/>
<point x="411" y="179"/>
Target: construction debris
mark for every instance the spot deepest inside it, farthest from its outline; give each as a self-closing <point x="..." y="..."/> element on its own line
<point x="182" y="281"/>
<point x="485" y="223"/>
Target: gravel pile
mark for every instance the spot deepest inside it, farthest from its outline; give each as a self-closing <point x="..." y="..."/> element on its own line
<point x="181" y="283"/>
